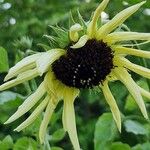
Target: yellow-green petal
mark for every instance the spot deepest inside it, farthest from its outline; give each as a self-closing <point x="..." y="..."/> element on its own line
<point x="34" y="115"/>
<point x="145" y="93"/>
<point x="92" y="27"/>
<point x="22" y="66"/>
<point x="47" y="116"/>
<point x="25" y="76"/>
<point x="117" y="20"/>
<point x="133" y="88"/>
<point x="28" y="103"/>
<point x="126" y="36"/>
<point x="120" y="61"/>
<point x="43" y="63"/>
<point x="69" y="117"/>
<point x="131" y="51"/>
<point x="82" y="41"/>
<point x="112" y="103"/>
<point x="73" y="32"/>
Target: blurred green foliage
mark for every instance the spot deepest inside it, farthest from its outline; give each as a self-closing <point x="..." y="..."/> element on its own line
<point x="22" y="26"/>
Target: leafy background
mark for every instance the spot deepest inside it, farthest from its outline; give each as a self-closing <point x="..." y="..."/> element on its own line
<point x="22" y="26"/>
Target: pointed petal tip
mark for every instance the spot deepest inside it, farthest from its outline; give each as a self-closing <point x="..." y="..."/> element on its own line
<point x="10" y="120"/>
<point x="41" y="140"/>
<point x="7" y="77"/>
<point x="17" y="129"/>
<point x="146" y="116"/>
<point x="119" y="128"/>
<point x="7" y="122"/>
<point x="141" y="3"/>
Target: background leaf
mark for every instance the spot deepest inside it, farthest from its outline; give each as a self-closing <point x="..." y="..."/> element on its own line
<point x="135" y="127"/>
<point x="3" y="60"/>
<point x="105" y="131"/>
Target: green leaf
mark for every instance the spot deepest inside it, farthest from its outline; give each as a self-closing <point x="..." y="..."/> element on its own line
<point x="119" y="146"/>
<point x="56" y="148"/>
<point x="25" y="143"/>
<point x="33" y="129"/>
<point x="9" y="101"/>
<point x="130" y="104"/>
<point x="3" y="60"/>
<point x="8" y="96"/>
<point x="7" y="143"/>
<point x="134" y="127"/>
<point x="105" y="131"/>
<point x="58" y="135"/>
<point x="90" y="95"/>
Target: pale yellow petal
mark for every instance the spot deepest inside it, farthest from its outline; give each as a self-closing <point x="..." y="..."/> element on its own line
<point x="55" y="88"/>
<point x="82" y="41"/>
<point x="25" y="76"/>
<point x="136" y="44"/>
<point x="22" y="66"/>
<point x="120" y="61"/>
<point x="34" y="115"/>
<point x="131" y="51"/>
<point x="47" y="116"/>
<point x="144" y="93"/>
<point x="112" y="103"/>
<point x="92" y="27"/>
<point x="28" y="103"/>
<point x="73" y="32"/>
<point x="63" y="118"/>
<point x="43" y="63"/>
<point x="117" y="20"/>
<point x="126" y="36"/>
<point x="69" y="117"/>
<point x="133" y="88"/>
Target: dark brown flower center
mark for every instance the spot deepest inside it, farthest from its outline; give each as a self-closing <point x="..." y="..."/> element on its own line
<point x="84" y="67"/>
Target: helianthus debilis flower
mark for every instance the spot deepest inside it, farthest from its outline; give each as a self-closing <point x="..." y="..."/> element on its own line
<point x="92" y="58"/>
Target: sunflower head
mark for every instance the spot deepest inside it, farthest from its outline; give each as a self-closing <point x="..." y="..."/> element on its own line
<point x="88" y="55"/>
<point x="84" y="67"/>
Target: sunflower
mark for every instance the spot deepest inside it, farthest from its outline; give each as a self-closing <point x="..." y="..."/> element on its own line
<point x="93" y="56"/>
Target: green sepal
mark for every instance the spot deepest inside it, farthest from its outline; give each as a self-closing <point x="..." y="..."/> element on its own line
<point x="82" y="22"/>
<point x="24" y="43"/>
<point x="45" y="47"/>
<point x="71" y="20"/>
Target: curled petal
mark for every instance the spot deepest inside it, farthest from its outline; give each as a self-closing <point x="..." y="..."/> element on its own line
<point x="25" y="76"/>
<point x="82" y="41"/>
<point x="28" y="104"/>
<point x="34" y="115"/>
<point x="117" y="20"/>
<point x="131" y="51"/>
<point x="43" y="63"/>
<point x="133" y="88"/>
<point x="126" y="36"/>
<point x="47" y="116"/>
<point x="73" y="32"/>
<point x="92" y="27"/>
<point x="22" y="66"/>
<point x="112" y="103"/>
